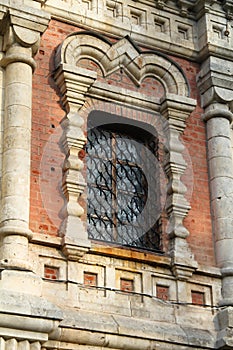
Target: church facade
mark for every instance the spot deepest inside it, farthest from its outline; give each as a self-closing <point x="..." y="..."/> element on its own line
<point x="116" y="174"/>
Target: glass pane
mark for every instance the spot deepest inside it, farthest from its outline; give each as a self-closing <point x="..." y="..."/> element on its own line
<point x="128" y="149"/>
<point x="101" y="230"/>
<point x="99" y="202"/>
<point x="128" y="207"/>
<point x="99" y="172"/>
<point x="130" y="178"/>
<point x="99" y="143"/>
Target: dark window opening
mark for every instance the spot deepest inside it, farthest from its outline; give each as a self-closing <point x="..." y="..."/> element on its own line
<point x="123" y="198"/>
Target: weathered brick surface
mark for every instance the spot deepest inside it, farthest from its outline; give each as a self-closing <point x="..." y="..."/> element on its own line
<point x="90" y="279"/>
<point x="126" y="285"/>
<point x="47" y="158"/>
<point x="51" y="272"/>
<point x="162" y="292"/>
<point x="198" y="298"/>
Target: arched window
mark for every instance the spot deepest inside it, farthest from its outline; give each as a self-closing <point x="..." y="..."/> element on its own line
<point x="123" y="205"/>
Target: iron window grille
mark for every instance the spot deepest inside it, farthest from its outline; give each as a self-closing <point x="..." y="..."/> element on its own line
<point x="119" y="180"/>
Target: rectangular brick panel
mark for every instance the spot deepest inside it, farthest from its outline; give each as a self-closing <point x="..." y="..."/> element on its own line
<point x="198" y="298"/>
<point x="162" y="292"/>
<point x="51" y="272"/>
<point x="90" y="279"/>
<point x="127" y="285"/>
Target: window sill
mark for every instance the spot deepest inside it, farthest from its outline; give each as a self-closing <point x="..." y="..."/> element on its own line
<point x="153" y="258"/>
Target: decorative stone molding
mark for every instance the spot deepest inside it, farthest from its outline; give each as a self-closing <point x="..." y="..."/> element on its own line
<point x="160" y="3"/>
<point x="215" y="81"/>
<point x="184" y="7"/>
<point x="14" y="344"/>
<point x="26" y="320"/>
<point x="135" y="19"/>
<point x="110" y="57"/>
<point x="176" y="110"/>
<point x="78" y="83"/>
<point x="73" y="83"/>
<point x="228" y="7"/>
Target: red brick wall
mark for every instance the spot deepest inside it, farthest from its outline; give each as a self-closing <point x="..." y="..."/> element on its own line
<point x="47" y="158"/>
<point x="126" y="285"/>
<point x="51" y="272"/>
<point x="90" y="279"/>
<point x="162" y="292"/>
<point x="198" y="298"/>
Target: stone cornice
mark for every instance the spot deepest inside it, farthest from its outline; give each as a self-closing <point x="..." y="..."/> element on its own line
<point x="23" y="26"/>
<point x="25" y="17"/>
<point x="215" y="81"/>
<point x="181" y="27"/>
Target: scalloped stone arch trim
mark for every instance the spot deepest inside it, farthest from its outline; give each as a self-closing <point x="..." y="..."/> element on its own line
<point x="126" y="55"/>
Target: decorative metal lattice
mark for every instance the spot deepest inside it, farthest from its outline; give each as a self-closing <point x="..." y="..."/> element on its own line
<point x="123" y="196"/>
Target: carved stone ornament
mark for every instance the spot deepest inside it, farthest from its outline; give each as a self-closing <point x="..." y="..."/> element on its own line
<point x="14" y="344"/>
<point x="77" y="83"/>
<point x="228" y="7"/>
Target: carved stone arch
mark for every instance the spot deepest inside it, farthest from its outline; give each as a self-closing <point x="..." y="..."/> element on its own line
<point x="123" y="54"/>
<point x="77" y="84"/>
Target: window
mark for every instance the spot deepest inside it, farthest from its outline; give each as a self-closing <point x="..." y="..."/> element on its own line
<point x="123" y="183"/>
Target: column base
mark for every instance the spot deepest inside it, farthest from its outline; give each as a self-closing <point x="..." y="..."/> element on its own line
<point x="26" y="320"/>
<point x="20" y="281"/>
<point x="225" y="333"/>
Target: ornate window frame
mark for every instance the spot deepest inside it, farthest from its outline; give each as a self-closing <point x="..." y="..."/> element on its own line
<point x="123" y="182"/>
<point x="77" y="84"/>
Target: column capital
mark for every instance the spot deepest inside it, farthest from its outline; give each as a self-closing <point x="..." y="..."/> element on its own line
<point x="23" y="27"/>
<point x="176" y="109"/>
<point x="215" y="81"/>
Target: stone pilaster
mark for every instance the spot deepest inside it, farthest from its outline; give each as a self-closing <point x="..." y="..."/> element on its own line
<point x="176" y="110"/>
<point x="20" y="43"/>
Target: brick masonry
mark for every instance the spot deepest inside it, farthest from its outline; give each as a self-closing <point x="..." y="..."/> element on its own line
<point x="162" y="292"/>
<point x="90" y="279"/>
<point x="47" y="113"/>
<point x="198" y="298"/>
<point x="126" y="285"/>
<point x="51" y="272"/>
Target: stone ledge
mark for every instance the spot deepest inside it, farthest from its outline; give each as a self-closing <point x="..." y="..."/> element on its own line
<point x="27" y="305"/>
<point x="121" y="332"/>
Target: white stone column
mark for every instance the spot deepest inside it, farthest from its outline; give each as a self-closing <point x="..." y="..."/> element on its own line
<point x="16" y="155"/>
<point x="218" y="118"/>
<point x="19" y="44"/>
